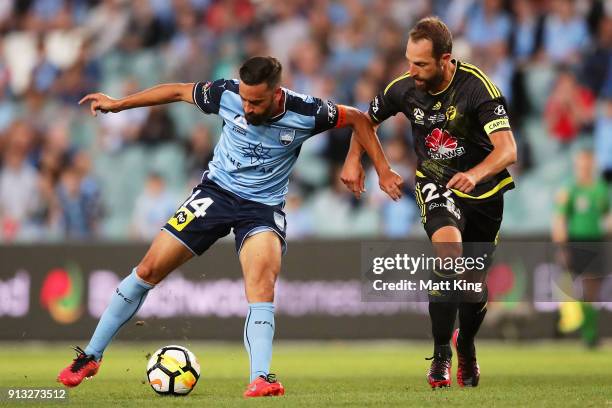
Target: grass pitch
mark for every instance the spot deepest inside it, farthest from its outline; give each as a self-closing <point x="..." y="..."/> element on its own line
<point x="328" y="374"/>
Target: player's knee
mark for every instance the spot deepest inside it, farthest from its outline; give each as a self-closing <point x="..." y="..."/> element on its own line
<point x="446" y="250"/>
<point x="262" y="281"/>
<point x="148" y="273"/>
<point x="260" y="291"/>
<point x="260" y="284"/>
<point x="263" y="270"/>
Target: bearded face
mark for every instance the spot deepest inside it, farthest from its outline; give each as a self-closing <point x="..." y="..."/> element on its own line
<point x="426" y="70"/>
<point x="260" y="102"/>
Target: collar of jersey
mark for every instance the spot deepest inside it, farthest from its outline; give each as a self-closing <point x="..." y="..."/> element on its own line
<point x="280" y="115"/>
<point x="454" y="61"/>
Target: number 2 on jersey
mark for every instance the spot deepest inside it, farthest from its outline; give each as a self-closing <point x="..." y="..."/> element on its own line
<point x="430" y="189"/>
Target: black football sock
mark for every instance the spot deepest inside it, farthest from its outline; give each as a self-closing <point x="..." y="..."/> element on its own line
<point x="443" y="315"/>
<point x="443" y="351"/>
<point x="471" y="316"/>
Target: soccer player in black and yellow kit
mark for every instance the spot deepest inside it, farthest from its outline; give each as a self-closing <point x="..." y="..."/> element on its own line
<point x="463" y="143"/>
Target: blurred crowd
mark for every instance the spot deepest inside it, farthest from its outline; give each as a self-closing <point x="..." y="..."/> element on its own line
<point x="67" y="175"/>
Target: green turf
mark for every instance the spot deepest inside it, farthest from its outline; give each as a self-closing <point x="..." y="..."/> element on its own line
<point x="330" y="374"/>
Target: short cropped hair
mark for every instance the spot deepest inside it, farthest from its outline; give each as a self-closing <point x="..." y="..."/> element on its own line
<point x="258" y="70"/>
<point x="434" y="30"/>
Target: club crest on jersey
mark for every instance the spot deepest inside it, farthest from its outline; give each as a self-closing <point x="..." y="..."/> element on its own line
<point x="451" y="112"/>
<point x="286" y="136"/>
<point x="442" y="145"/>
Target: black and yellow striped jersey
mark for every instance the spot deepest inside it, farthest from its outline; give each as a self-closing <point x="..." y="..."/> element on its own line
<point x="451" y="128"/>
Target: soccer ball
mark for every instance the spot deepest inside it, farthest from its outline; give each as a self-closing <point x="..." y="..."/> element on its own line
<point x="173" y="370"/>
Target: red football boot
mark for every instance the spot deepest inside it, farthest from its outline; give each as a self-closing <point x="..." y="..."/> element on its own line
<point x="265" y="387"/>
<point x="83" y="366"/>
<point x="468" y="370"/>
<point x="439" y="374"/>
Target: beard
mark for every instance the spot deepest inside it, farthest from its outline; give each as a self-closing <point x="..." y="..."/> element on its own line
<point x="257" y="119"/>
<point x="431" y="84"/>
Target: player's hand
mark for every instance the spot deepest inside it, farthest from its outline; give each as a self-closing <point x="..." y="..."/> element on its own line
<point x="464" y="182"/>
<point x="353" y="176"/>
<point x="391" y="183"/>
<point x="100" y="102"/>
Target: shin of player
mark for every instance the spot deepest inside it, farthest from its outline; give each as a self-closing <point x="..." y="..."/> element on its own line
<point x="164" y="255"/>
<point x="260" y="258"/>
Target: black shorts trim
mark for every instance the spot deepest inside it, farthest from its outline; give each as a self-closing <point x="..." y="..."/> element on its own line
<point x="263" y="228"/>
<point x="179" y="240"/>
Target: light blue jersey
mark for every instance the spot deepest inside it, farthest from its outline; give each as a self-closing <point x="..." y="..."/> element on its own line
<point x="254" y="162"/>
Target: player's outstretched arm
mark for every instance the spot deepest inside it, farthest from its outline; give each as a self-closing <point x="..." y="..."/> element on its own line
<point x="364" y="134"/>
<point x="157" y="95"/>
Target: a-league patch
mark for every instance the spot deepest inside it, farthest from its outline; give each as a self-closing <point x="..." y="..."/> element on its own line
<point x="332" y="113"/>
<point x="181" y="219"/>
<point x="206" y="93"/>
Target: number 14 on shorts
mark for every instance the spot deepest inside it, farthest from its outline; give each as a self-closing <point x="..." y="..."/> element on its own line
<point x="184" y="215"/>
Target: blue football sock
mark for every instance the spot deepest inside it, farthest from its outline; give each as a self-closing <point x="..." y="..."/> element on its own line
<point x="258" y="335"/>
<point x="127" y="299"/>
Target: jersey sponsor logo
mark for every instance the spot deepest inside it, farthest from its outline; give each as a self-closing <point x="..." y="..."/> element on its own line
<point x="332" y="113"/>
<point x="451" y="112"/>
<point x="279" y="220"/>
<point x="442" y="145"/>
<point x="500" y="110"/>
<point x="496" y="124"/>
<point x="438" y="117"/>
<point x="181" y="219"/>
<point x="286" y="136"/>
<point x="256" y="152"/>
<point x="419" y="115"/>
<point x="437" y="106"/>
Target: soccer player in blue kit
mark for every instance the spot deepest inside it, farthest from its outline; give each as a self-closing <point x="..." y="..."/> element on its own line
<point x="264" y="126"/>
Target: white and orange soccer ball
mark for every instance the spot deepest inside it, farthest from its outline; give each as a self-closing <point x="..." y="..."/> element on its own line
<point x="173" y="370"/>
